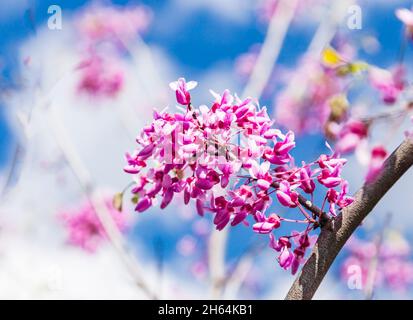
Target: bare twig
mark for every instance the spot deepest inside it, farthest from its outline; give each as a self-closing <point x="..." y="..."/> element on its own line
<point x="277" y="30"/>
<point x="85" y="181"/>
<point x="216" y="261"/>
<point x="334" y="236"/>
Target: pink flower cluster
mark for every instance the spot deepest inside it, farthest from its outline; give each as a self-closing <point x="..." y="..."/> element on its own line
<point x="306" y="108"/>
<point x="394" y="267"/>
<point x="100" y="76"/>
<point x="230" y="160"/>
<point x="350" y="135"/>
<point x="106" y="23"/>
<point x="390" y="84"/>
<point x="377" y="158"/>
<point x="84" y="228"/>
<point x="106" y="32"/>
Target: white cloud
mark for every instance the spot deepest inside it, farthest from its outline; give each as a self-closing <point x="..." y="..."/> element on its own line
<point x="238" y="11"/>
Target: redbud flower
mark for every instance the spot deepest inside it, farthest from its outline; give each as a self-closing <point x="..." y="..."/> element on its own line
<point x="395" y="270"/>
<point x="101" y="23"/>
<point x="286" y="196"/>
<point x="229" y="159"/>
<point x="84" y="227"/>
<point x="181" y="89"/>
<point x="307" y="184"/>
<point x="350" y="136"/>
<point x="100" y="77"/>
<point x="378" y="155"/>
<point x="389" y="83"/>
<point x="266" y="225"/>
<point x="330" y="177"/>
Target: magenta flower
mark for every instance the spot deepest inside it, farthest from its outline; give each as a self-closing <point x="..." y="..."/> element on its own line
<point x="378" y="155"/>
<point x="198" y="152"/>
<point x="143" y="204"/>
<point x="100" y="23"/>
<point x="267" y="225"/>
<point x="330" y="178"/>
<point x="84" y="228"/>
<point x="181" y="89"/>
<point x="100" y="77"/>
<point x="341" y="199"/>
<point x="286" y="196"/>
<point x="306" y="182"/>
<point x="389" y="83"/>
<point x="280" y="153"/>
<point x="395" y="268"/>
<point x="261" y="173"/>
<point x="350" y="136"/>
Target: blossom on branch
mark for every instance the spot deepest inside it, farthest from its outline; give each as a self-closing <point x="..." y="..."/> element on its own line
<point x="232" y="161"/>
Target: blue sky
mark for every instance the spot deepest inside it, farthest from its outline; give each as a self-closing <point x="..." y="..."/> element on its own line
<point x="202" y="39"/>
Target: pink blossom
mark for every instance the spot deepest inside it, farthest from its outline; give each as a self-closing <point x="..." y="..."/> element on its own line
<point x="267" y="225"/>
<point x="378" y="155"/>
<point x="330" y="177"/>
<point x="350" y="136"/>
<point x="286" y="196"/>
<point x="280" y="153"/>
<point x="100" y="77"/>
<point x="181" y="89"/>
<point x="84" y="228"/>
<point x="341" y="199"/>
<point x="305" y="108"/>
<point x="406" y="16"/>
<point x="101" y="23"/>
<point x="193" y="152"/>
<point x="394" y="269"/>
<point x="389" y="83"/>
<point x="306" y="182"/>
<point x="260" y="172"/>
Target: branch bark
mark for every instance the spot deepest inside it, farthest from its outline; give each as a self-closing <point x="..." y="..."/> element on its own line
<point x="334" y="235"/>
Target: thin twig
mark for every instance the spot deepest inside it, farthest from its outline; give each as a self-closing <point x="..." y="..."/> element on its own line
<point x="85" y="181"/>
<point x="374" y="263"/>
<point x="276" y="33"/>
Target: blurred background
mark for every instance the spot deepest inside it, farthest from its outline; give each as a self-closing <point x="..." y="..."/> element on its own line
<point x="79" y="79"/>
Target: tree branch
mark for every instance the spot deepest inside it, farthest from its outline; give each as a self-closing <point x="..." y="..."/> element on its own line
<point x="337" y="231"/>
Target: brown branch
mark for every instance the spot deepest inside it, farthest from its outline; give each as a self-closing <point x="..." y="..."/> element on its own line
<point x="338" y="230"/>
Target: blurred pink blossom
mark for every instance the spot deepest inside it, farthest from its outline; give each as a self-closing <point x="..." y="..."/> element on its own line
<point x="83" y="226"/>
<point x="351" y="135"/>
<point x="101" y="23"/>
<point x="406" y="16"/>
<point x="306" y="108"/>
<point x="100" y="76"/>
<point x="389" y="83"/>
<point x="394" y="268"/>
<point x="378" y="155"/>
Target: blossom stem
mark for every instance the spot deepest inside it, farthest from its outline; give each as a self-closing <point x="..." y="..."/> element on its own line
<point x="306" y="214"/>
<point x="338" y="230"/>
<point x="293" y="220"/>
